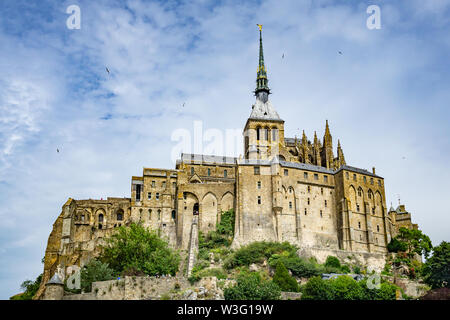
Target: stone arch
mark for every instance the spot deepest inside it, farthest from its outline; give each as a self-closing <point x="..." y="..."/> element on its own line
<point x="208" y="215"/>
<point x="119" y="215"/>
<point x="227" y="201"/>
<point x="100" y="216"/>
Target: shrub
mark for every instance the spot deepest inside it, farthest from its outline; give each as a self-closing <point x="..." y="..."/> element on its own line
<point x="345" y="269"/>
<point x="396" y="245"/>
<point x="250" y="286"/>
<point x="298" y="266"/>
<point x="317" y="289"/>
<point x="285" y="281"/>
<point x="136" y="248"/>
<point x="346" y="288"/>
<point x="95" y="271"/>
<point x="333" y="262"/>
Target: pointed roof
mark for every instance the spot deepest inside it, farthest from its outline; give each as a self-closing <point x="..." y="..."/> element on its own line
<point x="261" y="74"/>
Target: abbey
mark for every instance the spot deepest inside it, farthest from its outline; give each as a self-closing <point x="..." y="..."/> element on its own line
<point x="281" y="189"/>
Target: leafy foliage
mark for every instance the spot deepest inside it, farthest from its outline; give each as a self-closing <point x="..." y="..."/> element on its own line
<point x="223" y="236"/>
<point x="346" y="288"/>
<point x="138" y="249"/>
<point x="95" y="270"/>
<point x="436" y="270"/>
<point x="285" y="281"/>
<point x="30" y="288"/>
<point x="251" y="286"/>
<point x="298" y="266"/>
<point x="411" y="241"/>
<point x="333" y="262"/>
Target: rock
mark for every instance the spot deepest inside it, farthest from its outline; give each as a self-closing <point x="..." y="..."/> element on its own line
<point x="253" y="267"/>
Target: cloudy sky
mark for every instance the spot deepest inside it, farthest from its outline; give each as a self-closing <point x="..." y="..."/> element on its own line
<point x="386" y="98"/>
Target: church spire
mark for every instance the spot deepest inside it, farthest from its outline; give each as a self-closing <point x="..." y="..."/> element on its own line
<point x="262" y="90"/>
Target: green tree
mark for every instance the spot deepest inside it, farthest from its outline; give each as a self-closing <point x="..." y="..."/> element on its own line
<point x="251" y="286"/>
<point x="30" y="288"/>
<point x="138" y="249"/>
<point x="285" y="281"/>
<point x="346" y="288"/>
<point x="318" y="289"/>
<point x="436" y="270"/>
<point x="93" y="271"/>
<point x="414" y="240"/>
<point x="396" y="245"/>
<point x="333" y="262"/>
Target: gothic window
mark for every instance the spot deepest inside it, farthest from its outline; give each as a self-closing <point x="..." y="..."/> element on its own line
<point x="149" y="195"/>
<point x="225" y="173"/>
<point x="354" y="177"/>
<point x="371" y="180"/>
<point x="138" y="192"/>
<point x="359" y="192"/>
<point x="100" y="218"/>
<point x="369" y="194"/>
<point x="365" y="179"/>
<point x="258" y="133"/>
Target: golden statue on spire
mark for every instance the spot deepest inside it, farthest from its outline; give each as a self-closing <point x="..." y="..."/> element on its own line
<point x="259" y="26"/>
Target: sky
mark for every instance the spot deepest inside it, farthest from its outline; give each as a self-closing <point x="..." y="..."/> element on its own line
<point x="174" y="63"/>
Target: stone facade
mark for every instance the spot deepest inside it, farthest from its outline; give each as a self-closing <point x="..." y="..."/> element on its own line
<point x="282" y="189"/>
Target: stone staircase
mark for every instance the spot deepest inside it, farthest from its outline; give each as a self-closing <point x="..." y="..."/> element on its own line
<point x="193" y="246"/>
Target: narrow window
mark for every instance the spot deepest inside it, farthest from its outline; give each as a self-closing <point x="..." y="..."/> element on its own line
<point x="184" y="195"/>
<point x="305" y="175"/>
<point x="174" y="214"/>
<point x="159" y="214"/>
<point x="325" y="179"/>
<point x="369" y="194"/>
<point x="325" y="203"/>
<point x="379" y="183"/>
<point x="309" y="189"/>
<point x="258" y="133"/>
<point x="308" y="201"/>
<point x="192" y="170"/>
<point x="290" y="204"/>
<point x="286" y="172"/>
<point x="100" y="217"/>
<point x="149" y="214"/>
<point x="378" y="228"/>
<point x="354" y="177"/>
<point x="157" y="196"/>
<point x="359" y="225"/>
<point x="119" y="216"/>
<point x="321" y="191"/>
<point x="259" y="199"/>
<point x="259" y="184"/>
<point x="373" y="210"/>
<point x="371" y="180"/>
<point x="306" y="211"/>
<point x="347" y="175"/>
<point x="365" y="179"/>
<point x="225" y="173"/>
<point x="138" y="192"/>
<point x="209" y="172"/>
<point x="316" y="176"/>
<point x="359" y="193"/>
<point x="266" y="134"/>
<point x="163" y="184"/>
<point x="357" y="207"/>
<point x="256" y="170"/>
<point x="153" y="184"/>
<point x="321" y="215"/>
<point x="274" y="134"/>
<point x="174" y="185"/>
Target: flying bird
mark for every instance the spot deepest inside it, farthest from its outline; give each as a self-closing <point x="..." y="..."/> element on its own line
<point x="57" y="150"/>
<point x="184" y="103"/>
<point x="340" y="52"/>
<point x="107" y="70"/>
<point x="282" y="57"/>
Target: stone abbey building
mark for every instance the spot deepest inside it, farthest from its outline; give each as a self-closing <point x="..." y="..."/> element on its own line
<point x="281" y="189"/>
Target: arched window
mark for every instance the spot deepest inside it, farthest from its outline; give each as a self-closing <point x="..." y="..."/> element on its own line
<point x="225" y="173"/>
<point x="174" y="214"/>
<point x="159" y="214"/>
<point x="120" y="215"/>
<point x="149" y="214"/>
<point x="100" y="218"/>
<point x="195" y="209"/>
<point x="258" y="133"/>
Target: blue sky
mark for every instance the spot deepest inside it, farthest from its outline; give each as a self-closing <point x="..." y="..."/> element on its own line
<point x="386" y="97"/>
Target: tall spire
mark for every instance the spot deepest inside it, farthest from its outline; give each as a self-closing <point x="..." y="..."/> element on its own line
<point x="262" y="90"/>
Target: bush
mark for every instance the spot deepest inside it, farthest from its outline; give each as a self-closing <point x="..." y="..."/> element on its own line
<point x="223" y="236"/>
<point x="136" y="248"/>
<point x="298" y="266"/>
<point x="250" y="286"/>
<point x="333" y="262"/>
<point x="95" y="271"/>
<point x="318" y="289"/>
<point x="345" y="269"/>
<point x="436" y="270"/>
<point x="30" y="288"/>
<point x="396" y="245"/>
<point x="284" y="280"/>
<point x="256" y="252"/>
<point x="346" y="288"/>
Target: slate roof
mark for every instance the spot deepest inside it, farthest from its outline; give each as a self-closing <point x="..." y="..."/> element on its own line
<point x="264" y="110"/>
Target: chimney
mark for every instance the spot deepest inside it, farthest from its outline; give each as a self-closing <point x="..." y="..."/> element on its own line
<point x="373" y="170"/>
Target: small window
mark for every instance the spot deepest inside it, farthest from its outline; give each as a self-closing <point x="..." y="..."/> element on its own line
<point x="138" y="192"/>
<point x="256" y="170"/>
<point x="365" y="179"/>
<point x="192" y="170"/>
<point x="373" y="210"/>
<point x="153" y="184"/>
<point x="354" y="177"/>
<point x="359" y="193"/>
<point x="259" y="199"/>
<point x="119" y="216"/>
<point x="306" y="212"/>
<point x="316" y="176"/>
<point x="325" y="179"/>
<point x="359" y="225"/>
<point x="321" y="215"/>
<point x="163" y="184"/>
<point x="157" y="196"/>
<point x="325" y="203"/>
<point x="149" y="196"/>
<point x="225" y="173"/>
<point x="305" y="175"/>
<point x="290" y="204"/>
<point x="357" y="207"/>
<point x="259" y="184"/>
<point x="308" y="201"/>
<point x="369" y="194"/>
<point x="184" y="195"/>
<point x="174" y="214"/>
<point x="371" y="180"/>
<point x="286" y="172"/>
<point x="100" y="217"/>
<point x="159" y="214"/>
<point x="321" y="191"/>
<point x="149" y="214"/>
<point x="378" y="228"/>
<point x="309" y="189"/>
<point x="209" y="172"/>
